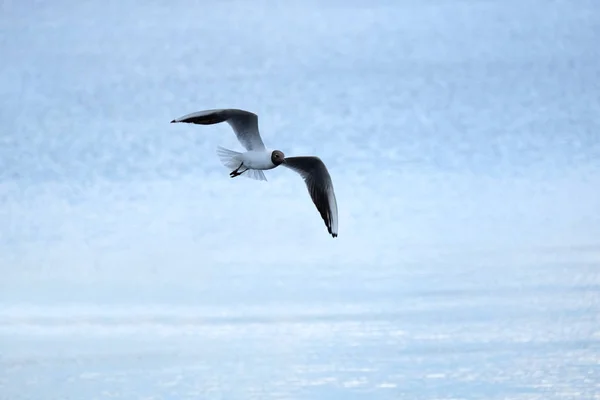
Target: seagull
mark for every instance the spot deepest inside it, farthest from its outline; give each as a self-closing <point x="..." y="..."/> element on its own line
<point x="258" y="158"/>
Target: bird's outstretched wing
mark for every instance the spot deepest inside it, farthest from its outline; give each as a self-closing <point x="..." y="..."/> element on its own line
<point x="320" y="188"/>
<point x="244" y="124"/>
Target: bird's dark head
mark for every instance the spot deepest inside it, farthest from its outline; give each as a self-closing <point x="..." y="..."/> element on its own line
<point x="277" y="157"/>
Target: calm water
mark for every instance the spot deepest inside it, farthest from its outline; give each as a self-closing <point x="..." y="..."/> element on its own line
<point x="462" y="138"/>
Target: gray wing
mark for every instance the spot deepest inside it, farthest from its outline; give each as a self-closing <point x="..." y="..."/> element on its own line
<point x="320" y="188"/>
<point x="244" y="124"/>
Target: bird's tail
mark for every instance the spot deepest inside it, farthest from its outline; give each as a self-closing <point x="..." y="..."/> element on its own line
<point x="229" y="158"/>
<point x="232" y="160"/>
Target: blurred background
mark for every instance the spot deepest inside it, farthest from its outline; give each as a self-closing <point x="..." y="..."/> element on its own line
<point x="462" y="139"/>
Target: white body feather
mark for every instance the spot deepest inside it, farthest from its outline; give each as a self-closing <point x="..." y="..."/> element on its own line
<point x="257" y="160"/>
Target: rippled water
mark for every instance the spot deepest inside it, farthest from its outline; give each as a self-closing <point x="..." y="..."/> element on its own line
<point x="435" y="333"/>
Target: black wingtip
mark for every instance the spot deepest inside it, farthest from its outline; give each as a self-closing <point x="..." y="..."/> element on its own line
<point x="334" y="235"/>
<point x="173" y="121"/>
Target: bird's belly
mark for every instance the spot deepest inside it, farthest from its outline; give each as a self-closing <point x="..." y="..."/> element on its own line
<point x="257" y="160"/>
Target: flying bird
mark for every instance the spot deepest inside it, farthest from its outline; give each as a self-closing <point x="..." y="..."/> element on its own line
<point x="258" y="158"/>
